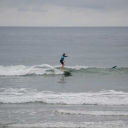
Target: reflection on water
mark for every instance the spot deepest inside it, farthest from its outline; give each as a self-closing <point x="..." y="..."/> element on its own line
<point x="62" y="80"/>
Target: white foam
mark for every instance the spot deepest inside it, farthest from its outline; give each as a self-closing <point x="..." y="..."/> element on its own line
<point x="21" y="70"/>
<point x="93" y="113"/>
<point x="111" y="97"/>
<point x="104" y="124"/>
<point x="76" y="67"/>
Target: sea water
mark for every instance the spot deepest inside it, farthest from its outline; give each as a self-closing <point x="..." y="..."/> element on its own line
<point x="34" y="93"/>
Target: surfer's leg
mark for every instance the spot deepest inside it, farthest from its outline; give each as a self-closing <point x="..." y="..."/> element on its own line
<point x="62" y="67"/>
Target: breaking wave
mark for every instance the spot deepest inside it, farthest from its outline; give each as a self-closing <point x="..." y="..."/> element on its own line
<point x="22" y="70"/>
<point x="45" y="69"/>
<point x="24" y="95"/>
<point x="103" y="124"/>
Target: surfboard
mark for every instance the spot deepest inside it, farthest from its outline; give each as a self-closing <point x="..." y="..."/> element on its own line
<point x="67" y="73"/>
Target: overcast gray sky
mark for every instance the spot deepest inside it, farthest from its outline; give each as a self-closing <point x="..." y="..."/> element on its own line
<point x="63" y="12"/>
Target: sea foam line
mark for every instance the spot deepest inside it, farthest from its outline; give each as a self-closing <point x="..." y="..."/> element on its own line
<point x="104" y="124"/>
<point x="92" y="113"/>
<point x="110" y="97"/>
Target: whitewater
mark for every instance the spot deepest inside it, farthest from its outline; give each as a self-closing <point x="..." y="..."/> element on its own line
<point x="46" y="69"/>
<point x="24" y="95"/>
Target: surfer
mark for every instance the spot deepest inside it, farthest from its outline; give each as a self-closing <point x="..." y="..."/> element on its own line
<point x="62" y="61"/>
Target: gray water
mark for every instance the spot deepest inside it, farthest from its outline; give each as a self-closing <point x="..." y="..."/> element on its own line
<point x="35" y="93"/>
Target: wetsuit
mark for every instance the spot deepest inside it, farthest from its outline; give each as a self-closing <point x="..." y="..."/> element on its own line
<point x="62" y="59"/>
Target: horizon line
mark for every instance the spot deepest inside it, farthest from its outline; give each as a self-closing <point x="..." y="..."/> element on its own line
<point x="58" y="26"/>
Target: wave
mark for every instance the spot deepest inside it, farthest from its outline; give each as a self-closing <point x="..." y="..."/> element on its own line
<point x="25" y="95"/>
<point x="103" y="124"/>
<point x="45" y="69"/>
<point x="93" y="113"/>
<point x="22" y="70"/>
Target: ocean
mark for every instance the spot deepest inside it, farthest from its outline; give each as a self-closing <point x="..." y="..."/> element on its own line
<point x="34" y="93"/>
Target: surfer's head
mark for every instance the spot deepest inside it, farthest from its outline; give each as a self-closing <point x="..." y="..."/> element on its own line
<point x="64" y="54"/>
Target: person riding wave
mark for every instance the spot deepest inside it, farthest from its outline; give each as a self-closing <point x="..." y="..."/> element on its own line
<point x="62" y="61"/>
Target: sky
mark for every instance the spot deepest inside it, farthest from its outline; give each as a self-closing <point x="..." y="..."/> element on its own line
<point x="63" y="13"/>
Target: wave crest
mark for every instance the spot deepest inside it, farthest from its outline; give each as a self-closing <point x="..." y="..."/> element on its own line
<point x="23" y="95"/>
<point x="45" y="69"/>
<point x="21" y="70"/>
